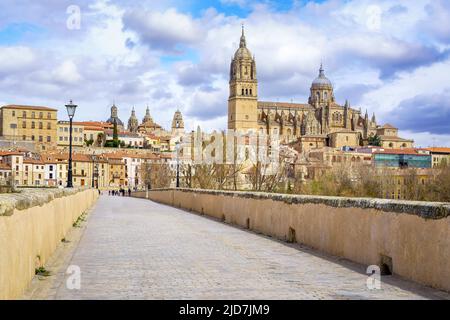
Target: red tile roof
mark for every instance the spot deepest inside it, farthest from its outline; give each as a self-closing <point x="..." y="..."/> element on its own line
<point x="23" y="107"/>
<point x="439" y="149"/>
<point x="411" y="151"/>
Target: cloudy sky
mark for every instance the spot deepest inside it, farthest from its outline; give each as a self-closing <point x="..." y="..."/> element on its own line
<point x="390" y="57"/>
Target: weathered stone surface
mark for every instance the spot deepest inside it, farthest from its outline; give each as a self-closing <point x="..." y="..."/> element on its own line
<point x="27" y="198"/>
<point x="426" y="210"/>
<point x="138" y="249"/>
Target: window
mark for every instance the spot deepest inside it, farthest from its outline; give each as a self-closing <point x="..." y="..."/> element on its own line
<point x="49" y="115"/>
<point x="24" y="124"/>
<point x="66" y="129"/>
<point x="49" y="125"/>
<point x="32" y="138"/>
<point x="60" y="138"/>
<point x="24" y="114"/>
<point x="51" y="176"/>
<point x="40" y="139"/>
<point x="250" y="91"/>
<point x="242" y="91"/>
<point x="13" y="113"/>
<point x="41" y="125"/>
<point x="33" y="125"/>
<point x="49" y="139"/>
<point x="50" y="168"/>
<point x="33" y="114"/>
<point x="41" y="115"/>
<point x="24" y="137"/>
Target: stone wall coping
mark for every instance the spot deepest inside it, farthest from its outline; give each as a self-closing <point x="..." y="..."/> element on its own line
<point x="426" y="210"/>
<point x="26" y="198"/>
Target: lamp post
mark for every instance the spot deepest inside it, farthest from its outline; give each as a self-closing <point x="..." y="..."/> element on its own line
<point x="71" y="112"/>
<point x="177" y="148"/>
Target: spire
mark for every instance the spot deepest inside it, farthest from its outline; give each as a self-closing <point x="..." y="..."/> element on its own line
<point x="346" y="104"/>
<point x="373" y="118"/>
<point x="243" y="43"/>
<point x="321" y="71"/>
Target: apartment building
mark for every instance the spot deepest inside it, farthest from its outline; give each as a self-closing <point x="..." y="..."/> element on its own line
<point x="29" y="123"/>
<point x="63" y="134"/>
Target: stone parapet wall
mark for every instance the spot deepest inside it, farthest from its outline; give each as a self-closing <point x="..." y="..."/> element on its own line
<point x="32" y="224"/>
<point x="411" y="238"/>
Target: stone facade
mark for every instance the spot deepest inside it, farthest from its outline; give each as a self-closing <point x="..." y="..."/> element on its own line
<point x="29" y="123"/>
<point x="319" y="122"/>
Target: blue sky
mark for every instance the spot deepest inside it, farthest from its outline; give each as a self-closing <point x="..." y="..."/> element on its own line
<point x="390" y="57"/>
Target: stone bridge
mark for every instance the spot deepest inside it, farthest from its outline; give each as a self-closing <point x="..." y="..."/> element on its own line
<point x="131" y="248"/>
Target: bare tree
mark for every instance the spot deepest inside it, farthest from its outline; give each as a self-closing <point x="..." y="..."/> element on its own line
<point x="156" y="175"/>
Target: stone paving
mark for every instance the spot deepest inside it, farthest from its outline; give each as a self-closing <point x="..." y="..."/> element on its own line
<point x="138" y="249"/>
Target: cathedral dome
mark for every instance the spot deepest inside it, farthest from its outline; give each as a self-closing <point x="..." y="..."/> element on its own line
<point x="321" y="80"/>
<point x="114" y="116"/>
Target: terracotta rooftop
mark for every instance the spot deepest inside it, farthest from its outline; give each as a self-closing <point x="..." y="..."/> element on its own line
<point x="439" y="149"/>
<point x="411" y="151"/>
<point x="23" y="107"/>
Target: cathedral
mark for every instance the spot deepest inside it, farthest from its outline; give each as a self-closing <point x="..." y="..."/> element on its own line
<point x="320" y="122"/>
<point x="147" y="126"/>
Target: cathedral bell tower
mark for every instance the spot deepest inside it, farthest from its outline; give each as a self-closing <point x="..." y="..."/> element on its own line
<point x="243" y="99"/>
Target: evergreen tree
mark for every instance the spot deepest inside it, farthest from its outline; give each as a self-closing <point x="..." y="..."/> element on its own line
<point x="115" y="135"/>
<point x="375" y="141"/>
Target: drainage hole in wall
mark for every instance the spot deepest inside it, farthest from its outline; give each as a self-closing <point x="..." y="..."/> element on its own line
<point x="386" y="266"/>
<point x="291" y="236"/>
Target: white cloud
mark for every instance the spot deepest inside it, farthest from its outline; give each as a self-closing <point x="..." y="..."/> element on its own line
<point x="123" y="52"/>
<point x="16" y="59"/>
<point x="67" y="73"/>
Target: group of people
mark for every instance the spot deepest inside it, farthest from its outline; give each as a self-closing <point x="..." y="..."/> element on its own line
<point x="121" y="192"/>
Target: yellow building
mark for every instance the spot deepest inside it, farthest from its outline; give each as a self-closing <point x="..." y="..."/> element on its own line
<point x="63" y="134"/>
<point x="440" y="156"/>
<point x="29" y="123"/>
<point x="389" y="138"/>
<point x="400" y="183"/>
<point x="117" y="172"/>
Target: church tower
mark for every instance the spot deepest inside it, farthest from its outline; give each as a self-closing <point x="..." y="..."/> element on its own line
<point x="177" y="124"/>
<point x="133" y="122"/>
<point x="243" y="99"/>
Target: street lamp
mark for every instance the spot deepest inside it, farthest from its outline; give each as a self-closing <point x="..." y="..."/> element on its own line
<point x="177" y="148"/>
<point x="71" y="112"/>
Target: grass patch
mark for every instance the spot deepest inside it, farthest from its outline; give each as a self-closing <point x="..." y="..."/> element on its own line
<point x="41" y="271"/>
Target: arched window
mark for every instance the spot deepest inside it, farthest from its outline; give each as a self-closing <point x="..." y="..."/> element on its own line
<point x="325" y="96"/>
<point x="242" y="91"/>
<point x="318" y="96"/>
<point x="246" y="92"/>
<point x="250" y="91"/>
